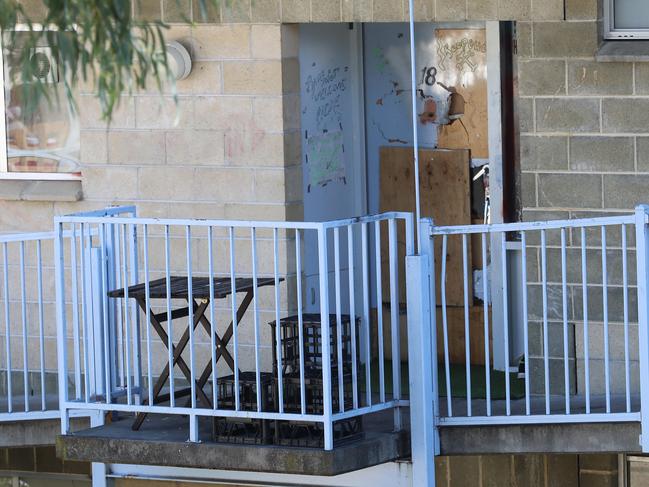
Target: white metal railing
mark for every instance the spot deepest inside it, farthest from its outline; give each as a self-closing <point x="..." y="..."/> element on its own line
<point x="566" y="344"/>
<point x="336" y="271"/>
<point x="27" y="371"/>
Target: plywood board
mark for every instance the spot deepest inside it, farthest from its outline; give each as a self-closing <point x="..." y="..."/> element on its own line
<point x="456" y="340"/>
<point x="455" y="327"/>
<point x="461" y="63"/>
<point x="444" y="193"/>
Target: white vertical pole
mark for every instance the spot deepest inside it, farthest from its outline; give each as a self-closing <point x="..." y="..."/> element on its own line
<point x="642" y="240"/>
<point x="496" y="255"/>
<point x="420" y="378"/>
<point x="137" y="341"/>
<point x="428" y="249"/>
<point x="61" y="344"/>
<point x="99" y="470"/>
<point x="325" y="337"/>
<point x="415" y="135"/>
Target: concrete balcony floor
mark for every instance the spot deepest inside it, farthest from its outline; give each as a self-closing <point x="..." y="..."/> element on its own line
<point x="162" y="440"/>
<point x="566" y="437"/>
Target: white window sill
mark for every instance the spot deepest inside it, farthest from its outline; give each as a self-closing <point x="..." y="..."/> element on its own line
<point x="40" y="176"/>
<point x="632" y="50"/>
<point x="16" y="189"/>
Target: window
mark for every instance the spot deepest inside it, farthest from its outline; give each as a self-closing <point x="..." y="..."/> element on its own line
<point x="626" y="19"/>
<point x="37" y="142"/>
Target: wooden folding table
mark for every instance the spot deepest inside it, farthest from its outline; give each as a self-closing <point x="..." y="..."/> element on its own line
<point x="200" y="300"/>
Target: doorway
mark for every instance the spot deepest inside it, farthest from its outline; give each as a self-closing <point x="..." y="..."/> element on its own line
<point x="357" y="140"/>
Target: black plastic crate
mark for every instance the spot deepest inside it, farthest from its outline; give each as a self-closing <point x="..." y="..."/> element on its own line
<point x="289" y="329"/>
<point x="311" y="435"/>
<point x="244" y="430"/>
<point x="313" y="392"/>
<point x="247" y="391"/>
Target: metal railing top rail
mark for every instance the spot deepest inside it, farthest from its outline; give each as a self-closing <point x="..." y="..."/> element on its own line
<point x="33" y="237"/>
<point x="290" y="225"/>
<point x="26" y="237"/>
<point x="370" y="218"/>
<point x="536" y="225"/>
<point x="105" y="212"/>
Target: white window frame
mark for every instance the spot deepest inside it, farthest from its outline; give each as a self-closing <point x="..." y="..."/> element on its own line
<point x="5" y="174"/>
<point x="610" y="32"/>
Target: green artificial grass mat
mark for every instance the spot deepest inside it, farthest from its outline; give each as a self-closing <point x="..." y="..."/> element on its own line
<point x="458" y="381"/>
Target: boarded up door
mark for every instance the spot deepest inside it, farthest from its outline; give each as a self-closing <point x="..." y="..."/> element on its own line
<point x="444" y="193"/>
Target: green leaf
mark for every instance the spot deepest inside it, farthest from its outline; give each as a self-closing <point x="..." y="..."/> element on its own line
<point x="96" y="41"/>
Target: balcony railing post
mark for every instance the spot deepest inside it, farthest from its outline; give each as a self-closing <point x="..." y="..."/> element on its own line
<point x="137" y="341"/>
<point x="325" y="336"/>
<point x="642" y="257"/>
<point x="61" y="333"/>
<point x="422" y="357"/>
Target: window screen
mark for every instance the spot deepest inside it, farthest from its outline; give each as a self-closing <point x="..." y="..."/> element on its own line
<point x="631" y="14"/>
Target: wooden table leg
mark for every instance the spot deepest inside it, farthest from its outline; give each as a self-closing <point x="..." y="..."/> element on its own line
<point x="222" y="342"/>
<point x="177" y="358"/>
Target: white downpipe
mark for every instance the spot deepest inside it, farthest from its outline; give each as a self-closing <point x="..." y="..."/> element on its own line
<point x="415" y="138"/>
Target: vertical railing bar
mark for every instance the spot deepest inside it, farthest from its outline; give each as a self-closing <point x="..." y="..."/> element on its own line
<point x="253" y="244"/>
<point x="485" y="301"/>
<point x="584" y="280"/>
<point x="120" y="326"/>
<point x="210" y="265"/>
<point x="506" y="323"/>
<point x="564" y="295"/>
<point x="625" y="290"/>
<point x="104" y="294"/>
<point x="352" y="313"/>
<point x="607" y="374"/>
<point x="93" y="338"/>
<point x="147" y="299"/>
<point x="379" y="308"/>
<point x="325" y="321"/>
<point x="170" y="339"/>
<point x="526" y="344"/>
<point x="112" y="305"/>
<point x="300" y="323"/>
<point x="23" y="303"/>
<point x="7" y="326"/>
<point x="467" y="330"/>
<point x="41" y="320"/>
<point x="235" y="322"/>
<point x="75" y="313"/>
<point x="127" y="333"/>
<point x="366" y="312"/>
<point x="278" y="340"/>
<point x="546" y="353"/>
<point x="447" y="366"/>
<point x="190" y="316"/>
<point x="339" y="324"/>
<point x="86" y="293"/>
<point x="394" y="311"/>
<point x="136" y="341"/>
<point x="61" y="327"/>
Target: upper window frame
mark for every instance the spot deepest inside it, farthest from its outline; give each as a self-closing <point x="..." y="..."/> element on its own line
<point x="611" y="33"/>
<point x="5" y="174"/>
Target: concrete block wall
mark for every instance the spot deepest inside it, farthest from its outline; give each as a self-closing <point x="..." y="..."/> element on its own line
<point x="228" y="149"/>
<point x="583" y="146"/>
<point x="219" y="152"/>
<point x="528" y="470"/>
